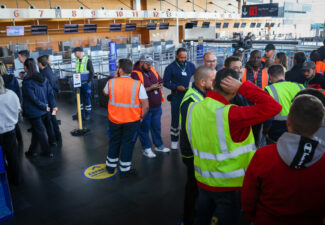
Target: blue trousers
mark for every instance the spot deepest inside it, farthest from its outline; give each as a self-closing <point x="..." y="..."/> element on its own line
<point x="151" y="122"/>
<point x="85" y="98"/>
<point x="122" y="139"/>
<point x="224" y="205"/>
<point x="175" y="102"/>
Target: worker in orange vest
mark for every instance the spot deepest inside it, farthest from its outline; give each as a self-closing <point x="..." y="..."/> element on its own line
<point x="320" y="65"/>
<point x="127" y="105"/>
<point x="153" y="84"/>
<point x="255" y="71"/>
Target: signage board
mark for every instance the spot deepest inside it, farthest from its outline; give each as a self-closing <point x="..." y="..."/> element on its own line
<point x="76" y="80"/>
<point x="260" y="10"/>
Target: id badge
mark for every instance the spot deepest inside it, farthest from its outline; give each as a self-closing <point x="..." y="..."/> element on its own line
<point x="156" y="92"/>
<point x="184" y="73"/>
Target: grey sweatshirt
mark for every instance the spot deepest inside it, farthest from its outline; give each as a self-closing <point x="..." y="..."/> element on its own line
<point x="298" y="151"/>
<point x="9" y="111"/>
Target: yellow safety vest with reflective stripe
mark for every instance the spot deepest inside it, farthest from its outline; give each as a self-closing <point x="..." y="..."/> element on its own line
<point x="283" y="92"/>
<point x="218" y="160"/>
<point x="190" y="93"/>
<point x="81" y="67"/>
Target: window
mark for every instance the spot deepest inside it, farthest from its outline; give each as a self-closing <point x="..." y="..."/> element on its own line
<point x="258" y="25"/>
<point x="218" y="25"/>
<point x="267" y="24"/>
<point x="252" y="25"/>
<point x="236" y="25"/>
<point x="243" y="25"/>
<point x="225" y="25"/>
<point x="205" y="24"/>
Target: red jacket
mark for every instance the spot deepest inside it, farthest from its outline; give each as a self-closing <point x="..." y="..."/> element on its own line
<point x="241" y="118"/>
<point x="275" y="193"/>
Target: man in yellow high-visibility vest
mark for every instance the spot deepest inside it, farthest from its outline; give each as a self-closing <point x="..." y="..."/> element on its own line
<point x="85" y="67"/>
<point x="223" y="144"/>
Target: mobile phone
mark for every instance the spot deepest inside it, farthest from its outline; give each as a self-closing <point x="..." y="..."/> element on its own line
<point x="161" y="82"/>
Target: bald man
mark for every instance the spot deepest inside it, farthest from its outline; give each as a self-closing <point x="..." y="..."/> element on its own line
<point x="210" y="60"/>
<point x="203" y="81"/>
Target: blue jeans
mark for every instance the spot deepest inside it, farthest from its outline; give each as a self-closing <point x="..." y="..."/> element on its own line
<point x="122" y="139"/>
<point x="224" y="205"/>
<point x="151" y="122"/>
<point x="85" y="98"/>
<point x="175" y="102"/>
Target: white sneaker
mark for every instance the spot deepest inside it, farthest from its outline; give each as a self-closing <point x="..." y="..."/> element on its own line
<point x="174" y="145"/>
<point x="162" y="149"/>
<point x="148" y="153"/>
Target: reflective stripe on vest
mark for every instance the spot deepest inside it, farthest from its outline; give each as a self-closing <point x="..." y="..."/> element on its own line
<point x="132" y="105"/>
<point x="124" y="105"/>
<point x="218" y="161"/>
<point x="140" y="75"/>
<point x="263" y="79"/>
<point x="283" y="93"/>
<point x="190" y="93"/>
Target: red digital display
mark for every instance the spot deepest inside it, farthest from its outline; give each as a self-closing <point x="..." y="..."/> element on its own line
<point x="252" y="11"/>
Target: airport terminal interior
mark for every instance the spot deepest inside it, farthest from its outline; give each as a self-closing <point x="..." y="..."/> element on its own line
<point x="73" y="186"/>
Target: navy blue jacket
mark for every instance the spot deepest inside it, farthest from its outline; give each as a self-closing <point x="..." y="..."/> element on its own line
<point x="37" y="93"/>
<point x="11" y="83"/>
<point x="48" y="73"/>
<point x="173" y="75"/>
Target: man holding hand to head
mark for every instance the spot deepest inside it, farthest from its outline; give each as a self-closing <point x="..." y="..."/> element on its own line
<point x="223" y="144"/>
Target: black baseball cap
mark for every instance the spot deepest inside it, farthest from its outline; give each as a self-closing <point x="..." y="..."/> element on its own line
<point x="269" y="47"/>
<point x="78" y="49"/>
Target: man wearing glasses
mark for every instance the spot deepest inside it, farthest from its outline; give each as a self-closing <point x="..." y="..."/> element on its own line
<point x="210" y="60"/>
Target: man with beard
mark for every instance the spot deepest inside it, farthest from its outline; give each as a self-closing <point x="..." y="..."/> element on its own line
<point x="203" y="81"/>
<point x="152" y="82"/>
<point x="255" y="71"/>
<point x="177" y="78"/>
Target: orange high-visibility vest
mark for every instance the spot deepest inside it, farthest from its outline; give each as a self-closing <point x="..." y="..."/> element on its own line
<point x="264" y="78"/>
<point x="263" y="59"/>
<point x="124" y="105"/>
<point x="140" y="75"/>
<point x="320" y="67"/>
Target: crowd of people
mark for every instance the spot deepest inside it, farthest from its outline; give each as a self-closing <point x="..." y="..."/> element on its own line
<point x="222" y="123"/>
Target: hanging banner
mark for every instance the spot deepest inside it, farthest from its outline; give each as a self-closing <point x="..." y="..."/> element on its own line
<point x="260" y="10"/>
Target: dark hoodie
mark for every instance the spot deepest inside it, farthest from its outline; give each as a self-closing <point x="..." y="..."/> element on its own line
<point x="37" y="94"/>
<point x="11" y="83"/>
<point x="284" y="183"/>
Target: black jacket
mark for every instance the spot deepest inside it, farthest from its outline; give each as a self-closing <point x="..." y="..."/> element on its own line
<point x="295" y="75"/>
<point x="321" y="51"/>
<point x="317" y="82"/>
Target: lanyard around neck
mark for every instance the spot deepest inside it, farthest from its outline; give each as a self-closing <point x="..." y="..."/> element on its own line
<point x="183" y="70"/>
